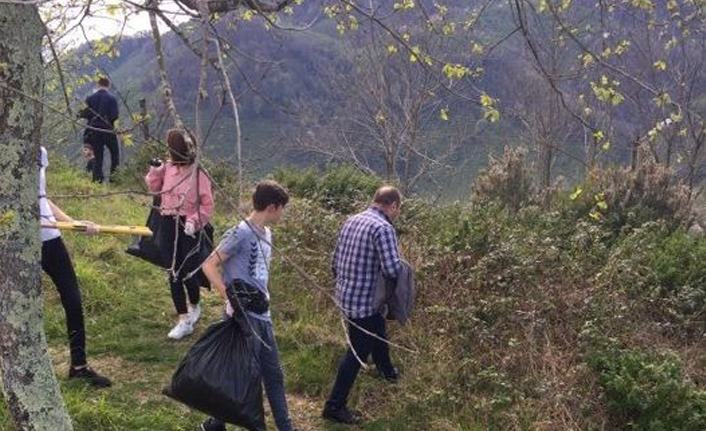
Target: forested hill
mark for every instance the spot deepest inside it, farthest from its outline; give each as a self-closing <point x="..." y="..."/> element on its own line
<point x="288" y="80"/>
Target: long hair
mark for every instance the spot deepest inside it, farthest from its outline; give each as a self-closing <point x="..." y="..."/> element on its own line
<point x="182" y="146"/>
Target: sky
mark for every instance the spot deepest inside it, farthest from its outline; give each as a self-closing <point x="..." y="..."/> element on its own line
<point x="107" y="19"/>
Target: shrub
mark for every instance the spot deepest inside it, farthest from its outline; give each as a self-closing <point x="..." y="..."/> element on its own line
<point x="648" y="392"/>
<point x="622" y="198"/>
<point x="341" y="188"/>
<point x="507" y="181"/>
<point x="134" y="168"/>
<point x="664" y="268"/>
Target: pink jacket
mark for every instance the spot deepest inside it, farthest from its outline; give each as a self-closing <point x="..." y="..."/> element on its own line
<point x="179" y="192"/>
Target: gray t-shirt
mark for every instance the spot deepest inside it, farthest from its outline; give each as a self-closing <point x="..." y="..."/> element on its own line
<point x="248" y="258"/>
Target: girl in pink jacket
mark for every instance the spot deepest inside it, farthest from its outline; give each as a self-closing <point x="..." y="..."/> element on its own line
<point x="187" y="205"/>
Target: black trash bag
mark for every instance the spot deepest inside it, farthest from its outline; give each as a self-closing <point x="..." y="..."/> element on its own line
<point x="148" y="247"/>
<point x="221" y="377"/>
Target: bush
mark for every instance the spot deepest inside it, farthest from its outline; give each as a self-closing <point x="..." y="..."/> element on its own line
<point x="341" y="188"/>
<point x="645" y="392"/>
<point x="622" y="198"/>
<point x="664" y="268"/>
<point x="507" y="181"/>
<point x="133" y="169"/>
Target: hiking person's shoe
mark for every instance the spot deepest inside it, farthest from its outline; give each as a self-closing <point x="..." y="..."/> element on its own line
<point x="181" y="330"/>
<point x="194" y="313"/>
<point x="210" y="425"/>
<point x="91" y="377"/>
<point x="392" y="377"/>
<point x="341" y="415"/>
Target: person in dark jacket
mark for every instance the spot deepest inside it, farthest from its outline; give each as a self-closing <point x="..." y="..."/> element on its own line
<point x="101" y="112"/>
<point x="367" y="246"/>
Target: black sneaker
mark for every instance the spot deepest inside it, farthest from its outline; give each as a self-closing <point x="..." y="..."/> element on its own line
<point x="392" y="377"/>
<point x="90" y="376"/>
<point x="341" y="415"/>
<point x="211" y="425"/>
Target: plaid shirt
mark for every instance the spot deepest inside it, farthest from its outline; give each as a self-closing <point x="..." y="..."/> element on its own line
<point x="367" y="244"/>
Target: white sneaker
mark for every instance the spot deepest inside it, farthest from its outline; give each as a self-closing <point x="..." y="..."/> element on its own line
<point x="181" y="330"/>
<point x="194" y="313"/>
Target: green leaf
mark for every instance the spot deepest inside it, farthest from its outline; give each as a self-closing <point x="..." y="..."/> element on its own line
<point x="491" y="114"/>
<point x="577" y="192"/>
<point x="127" y="140"/>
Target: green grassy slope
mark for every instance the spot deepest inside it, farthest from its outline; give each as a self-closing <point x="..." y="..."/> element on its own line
<point x="544" y="319"/>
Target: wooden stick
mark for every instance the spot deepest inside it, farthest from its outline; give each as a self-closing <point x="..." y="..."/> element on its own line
<point x="124" y="230"/>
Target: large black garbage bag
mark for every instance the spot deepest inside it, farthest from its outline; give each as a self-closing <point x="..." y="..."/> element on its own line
<point x="148" y="247"/>
<point x="220" y="376"/>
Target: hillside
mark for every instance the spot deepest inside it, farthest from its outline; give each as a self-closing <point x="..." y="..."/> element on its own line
<point x="277" y="76"/>
<point x="528" y="317"/>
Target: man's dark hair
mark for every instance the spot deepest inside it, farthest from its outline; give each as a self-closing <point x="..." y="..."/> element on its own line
<point x="387" y="195"/>
<point x="269" y="192"/>
<point x="103" y="81"/>
<point x="181" y="145"/>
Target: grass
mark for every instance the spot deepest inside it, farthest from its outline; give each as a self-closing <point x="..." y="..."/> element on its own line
<point x="128" y="312"/>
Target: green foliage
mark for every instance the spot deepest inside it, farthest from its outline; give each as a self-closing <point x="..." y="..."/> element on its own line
<point x="666" y="269"/>
<point x="341" y="188"/>
<point x="133" y="170"/>
<point x="647" y="392"/>
<point x="505" y="305"/>
<point x="623" y="199"/>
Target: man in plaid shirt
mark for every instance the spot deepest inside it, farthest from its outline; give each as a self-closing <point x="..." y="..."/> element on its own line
<point x="367" y="245"/>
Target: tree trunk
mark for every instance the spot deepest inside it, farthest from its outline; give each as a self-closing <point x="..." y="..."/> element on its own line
<point x="30" y="387"/>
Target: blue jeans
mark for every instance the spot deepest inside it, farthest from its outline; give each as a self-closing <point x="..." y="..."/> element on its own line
<point x="364" y="345"/>
<point x="272" y="375"/>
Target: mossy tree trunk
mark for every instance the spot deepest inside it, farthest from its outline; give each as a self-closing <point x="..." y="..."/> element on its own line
<point x="29" y="385"/>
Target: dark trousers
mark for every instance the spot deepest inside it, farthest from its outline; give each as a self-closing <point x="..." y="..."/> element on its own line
<point x="57" y="264"/>
<point x="187" y="260"/>
<point x="99" y="141"/>
<point x="364" y="345"/>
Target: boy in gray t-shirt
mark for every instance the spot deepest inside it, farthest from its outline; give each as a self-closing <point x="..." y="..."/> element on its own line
<point x="248" y="247"/>
<point x="244" y="253"/>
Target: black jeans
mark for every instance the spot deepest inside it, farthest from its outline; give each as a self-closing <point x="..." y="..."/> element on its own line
<point x="187" y="260"/>
<point x="364" y="345"/>
<point x="57" y="264"/>
<point x="99" y="141"/>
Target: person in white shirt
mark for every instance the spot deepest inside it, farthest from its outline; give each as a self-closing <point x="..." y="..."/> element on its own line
<point x="57" y="264"/>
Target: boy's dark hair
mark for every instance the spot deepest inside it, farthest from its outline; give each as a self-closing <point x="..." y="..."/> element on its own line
<point x="103" y="81"/>
<point x="269" y="192"/>
<point x="387" y="195"/>
<point x="181" y="146"/>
